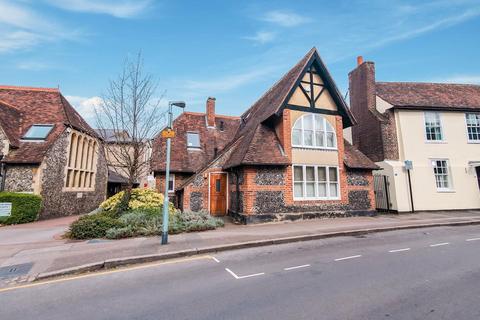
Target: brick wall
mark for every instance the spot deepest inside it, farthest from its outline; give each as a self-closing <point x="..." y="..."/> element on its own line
<point x="367" y="135"/>
<point x="375" y="133"/>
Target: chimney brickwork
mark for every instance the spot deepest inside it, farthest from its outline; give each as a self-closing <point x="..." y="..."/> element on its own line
<point x="210" y="112"/>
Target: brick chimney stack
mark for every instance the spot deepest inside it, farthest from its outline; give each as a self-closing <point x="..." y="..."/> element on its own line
<point x="211" y="112"/>
<point x="366" y="134"/>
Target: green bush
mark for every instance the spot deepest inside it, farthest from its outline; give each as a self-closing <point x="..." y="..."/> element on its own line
<point x="25" y="207"/>
<point x="140" y="199"/>
<point x="199" y="221"/>
<point x="93" y="226"/>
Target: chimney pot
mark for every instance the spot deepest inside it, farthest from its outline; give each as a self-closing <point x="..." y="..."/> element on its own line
<point x="210" y="112"/>
<point x="359" y="60"/>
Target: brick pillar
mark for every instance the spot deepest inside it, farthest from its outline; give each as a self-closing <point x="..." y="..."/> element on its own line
<point x="210" y="112"/>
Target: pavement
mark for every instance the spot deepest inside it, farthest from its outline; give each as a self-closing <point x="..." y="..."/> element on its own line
<point x="37" y="250"/>
<point x="428" y="273"/>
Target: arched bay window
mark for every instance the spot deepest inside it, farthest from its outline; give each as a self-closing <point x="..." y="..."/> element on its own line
<point x="313" y="131"/>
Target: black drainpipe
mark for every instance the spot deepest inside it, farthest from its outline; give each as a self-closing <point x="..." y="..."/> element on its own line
<point x="3" y="174"/>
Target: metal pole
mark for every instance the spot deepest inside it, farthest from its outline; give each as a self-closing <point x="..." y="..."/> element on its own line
<point x="167" y="177"/>
<point x="410" y="187"/>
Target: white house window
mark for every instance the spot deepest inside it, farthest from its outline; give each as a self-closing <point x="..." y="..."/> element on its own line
<point x="193" y="140"/>
<point x="473" y="126"/>
<point x="440" y="170"/>
<point x="315" y="182"/>
<point x="171" y="182"/>
<point x="433" y="126"/>
<point x="313" y="131"/>
<point x="38" y="132"/>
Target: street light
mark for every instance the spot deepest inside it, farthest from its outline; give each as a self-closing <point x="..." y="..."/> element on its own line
<point x="179" y="104"/>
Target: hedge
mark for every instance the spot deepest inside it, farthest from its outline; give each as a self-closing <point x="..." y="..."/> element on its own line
<point x="25" y="207"/>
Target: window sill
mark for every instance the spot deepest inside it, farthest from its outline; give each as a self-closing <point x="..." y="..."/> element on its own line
<point x="194" y="149"/>
<point x="315" y="199"/>
<point x="436" y="141"/>
<point x="315" y="148"/>
<point x="473" y="141"/>
<point x="446" y="191"/>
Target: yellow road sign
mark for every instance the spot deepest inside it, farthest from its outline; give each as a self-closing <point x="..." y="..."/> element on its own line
<point x="168" y="133"/>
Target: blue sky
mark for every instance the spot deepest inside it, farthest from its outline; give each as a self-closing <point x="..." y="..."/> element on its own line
<point x="233" y="50"/>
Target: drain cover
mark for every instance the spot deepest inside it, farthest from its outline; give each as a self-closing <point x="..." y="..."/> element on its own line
<point x="15" y="270"/>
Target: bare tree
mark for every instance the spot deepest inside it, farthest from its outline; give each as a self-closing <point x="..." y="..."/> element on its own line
<point x="130" y="111"/>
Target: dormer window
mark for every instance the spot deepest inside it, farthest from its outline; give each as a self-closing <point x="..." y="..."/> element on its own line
<point x="38" y="132"/>
<point x="222" y="125"/>
<point x="193" y="140"/>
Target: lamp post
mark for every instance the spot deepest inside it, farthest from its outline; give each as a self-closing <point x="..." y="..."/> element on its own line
<point x="182" y="105"/>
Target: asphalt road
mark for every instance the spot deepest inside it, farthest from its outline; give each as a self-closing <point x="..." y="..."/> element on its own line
<point x="414" y="274"/>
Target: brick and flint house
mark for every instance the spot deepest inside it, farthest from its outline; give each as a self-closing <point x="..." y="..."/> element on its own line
<point x="433" y="126"/>
<point x="47" y="148"/>
<point x="284" y="158"/>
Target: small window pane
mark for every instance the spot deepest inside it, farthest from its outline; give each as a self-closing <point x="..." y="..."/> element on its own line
<point x="322" y="174"/>
<point x="308" y="136"/>
<point x="333" y="190"/>
<point x="322" y="189"/>
<point x="320" y="138"/>
<point x="193" y="140"/>
<point x="298" y="173"/>
<point x="332" y="174"/>
<point x="310" y="186"/>
<point x="330" y="139"/>
<point x="310" y="173"/>
<point x="473" y="126"/>
<point x="308" y="122"/>
<point x="319" y="123"/>
<point x="298" y="189"/>
<point x="433" y="127"/>
<point x="171" y="184"/>
<point x="217" y="185"/>
<point x="440" y="170"/>
<point x="297" y="137"/>
<point x="38" y="132"/>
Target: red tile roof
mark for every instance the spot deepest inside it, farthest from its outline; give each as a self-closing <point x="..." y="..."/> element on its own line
<point x="442" y="96"/>
<point x="31" y="106"/>
<point x="355" y="159"/>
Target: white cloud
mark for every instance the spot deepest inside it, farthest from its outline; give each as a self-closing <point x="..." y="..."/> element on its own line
<point x="33" y="65"/>
<point x="22" y="28"/>
<point x="116" y="8"/>
<point x="222" y="84"/>
<point x="285" y="18"/>
<point x="85" y="106"/>
<point x="459" y="78"/>
<point x="262" y="37"/>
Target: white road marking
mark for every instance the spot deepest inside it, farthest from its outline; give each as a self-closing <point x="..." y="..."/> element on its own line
<point x="346" y="258"/>
<point x="473" y="239"/>
<point x="297" y="267"/>
<point x="399" y="250"/>
<point x="215" y="259"/>
<point x="439" y="244"/>
<point x="243" y="277"/>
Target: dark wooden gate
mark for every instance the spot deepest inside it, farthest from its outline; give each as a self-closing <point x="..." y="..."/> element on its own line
<point x="382" y="195"/>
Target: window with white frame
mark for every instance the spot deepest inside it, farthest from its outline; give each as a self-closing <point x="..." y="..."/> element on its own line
<point x="315" y="182"/>
<point x="193" y="140"/>
<point x="433" y="126"/>
<point x="442" y="177"/>
<point x="473" y="126"/>
<point x="313" y="131"/>
<point x="171" y="182"/>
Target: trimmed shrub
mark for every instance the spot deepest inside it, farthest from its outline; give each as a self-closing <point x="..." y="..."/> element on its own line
<point x="140" y="199"/>
<point x="25" y="207"/>
<point x="199" y="221"/>
<point x="93" y="226"/>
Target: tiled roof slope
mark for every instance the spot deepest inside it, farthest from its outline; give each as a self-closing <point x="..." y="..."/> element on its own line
<point x="434" y="95"/>
<point x="9" y="121"/>
<point x="183" y="160"/>
<point x="36" y="106"/>
<point x="355" y="159"/>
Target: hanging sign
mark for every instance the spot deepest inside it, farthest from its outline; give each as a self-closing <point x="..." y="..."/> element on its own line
<point x="168" y="133"/>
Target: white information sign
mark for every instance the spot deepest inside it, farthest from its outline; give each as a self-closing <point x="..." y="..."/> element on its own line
<point x="5" y="209"/>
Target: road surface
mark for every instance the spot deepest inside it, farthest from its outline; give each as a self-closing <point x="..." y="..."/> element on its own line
<point x="412" y="274"/>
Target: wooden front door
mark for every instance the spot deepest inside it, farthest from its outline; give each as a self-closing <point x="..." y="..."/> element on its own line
<point x="218" y="194"/>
